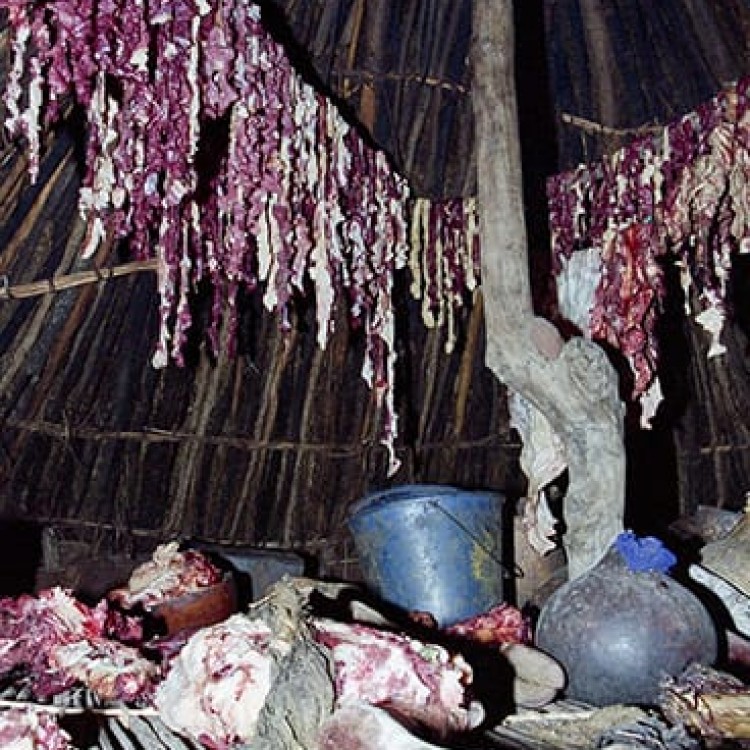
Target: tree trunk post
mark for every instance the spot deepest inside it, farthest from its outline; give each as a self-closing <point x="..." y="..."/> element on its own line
<point x="571" y="383"/>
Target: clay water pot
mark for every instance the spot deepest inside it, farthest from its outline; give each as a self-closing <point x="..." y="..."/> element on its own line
<point x="618" y="633"/>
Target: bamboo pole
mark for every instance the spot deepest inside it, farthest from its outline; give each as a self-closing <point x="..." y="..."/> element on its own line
<point x="69" y="281"/>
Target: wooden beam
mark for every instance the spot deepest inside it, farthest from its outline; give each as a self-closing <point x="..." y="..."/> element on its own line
<point x="571" y="383"/>
<point x="72" y="280"/>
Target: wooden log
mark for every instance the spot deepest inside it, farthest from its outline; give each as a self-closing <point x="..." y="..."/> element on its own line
<point x="730" y="714"/>
<point x="713" y="703"/>
<point x="576" y="390"/>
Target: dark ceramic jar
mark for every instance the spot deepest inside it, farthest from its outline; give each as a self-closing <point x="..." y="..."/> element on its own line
<point x="618" y="633"/>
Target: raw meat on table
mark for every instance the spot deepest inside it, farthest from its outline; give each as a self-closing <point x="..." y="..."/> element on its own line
<point x="23" y="729"/>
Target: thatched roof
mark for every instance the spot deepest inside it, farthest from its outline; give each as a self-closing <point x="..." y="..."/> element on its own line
<point x="588" y="72"/>
<point x="271" y="447"/>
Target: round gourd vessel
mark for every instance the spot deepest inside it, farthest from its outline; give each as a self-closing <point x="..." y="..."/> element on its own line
<point x="618" y="633"/>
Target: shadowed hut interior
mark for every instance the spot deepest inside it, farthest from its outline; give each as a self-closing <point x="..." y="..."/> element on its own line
<point x="267" y="442"/>
<point x="269" y="447"/>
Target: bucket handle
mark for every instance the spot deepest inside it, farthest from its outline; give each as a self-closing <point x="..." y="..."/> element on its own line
<point x="515" y="573"/>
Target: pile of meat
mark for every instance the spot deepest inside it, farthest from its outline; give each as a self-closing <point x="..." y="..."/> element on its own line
<point x="54" y="642"/>
<point x="171" y="572"/>
<point x="227" y="683"/>
<point x="320" y="655"/>
<point x="31" y="730"/>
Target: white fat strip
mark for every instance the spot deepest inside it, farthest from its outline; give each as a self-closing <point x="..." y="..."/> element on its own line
<point x="576" y="286"/>
<point x="542" y="460"/>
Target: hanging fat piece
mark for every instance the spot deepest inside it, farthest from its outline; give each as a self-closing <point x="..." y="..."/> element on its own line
<point x="297" y="199"/>
<point x="678" y="195"/>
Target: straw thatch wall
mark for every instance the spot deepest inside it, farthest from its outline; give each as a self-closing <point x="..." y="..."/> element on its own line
<point x="271" y="447"/>
<point x="266" y="448"/>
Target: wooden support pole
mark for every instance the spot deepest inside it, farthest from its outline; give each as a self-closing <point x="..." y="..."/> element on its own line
<point x="571" y="383"/>
<point x="72" y="280"/>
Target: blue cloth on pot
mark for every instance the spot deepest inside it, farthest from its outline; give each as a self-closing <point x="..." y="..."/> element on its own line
<point x="642" y="554"/>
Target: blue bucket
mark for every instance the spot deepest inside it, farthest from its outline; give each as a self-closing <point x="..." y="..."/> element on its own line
<point x="432" y="548"/>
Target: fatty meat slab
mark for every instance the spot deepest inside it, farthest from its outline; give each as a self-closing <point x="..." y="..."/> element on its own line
<point x="25" y="729"/>
<point x="57" y="641"/>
